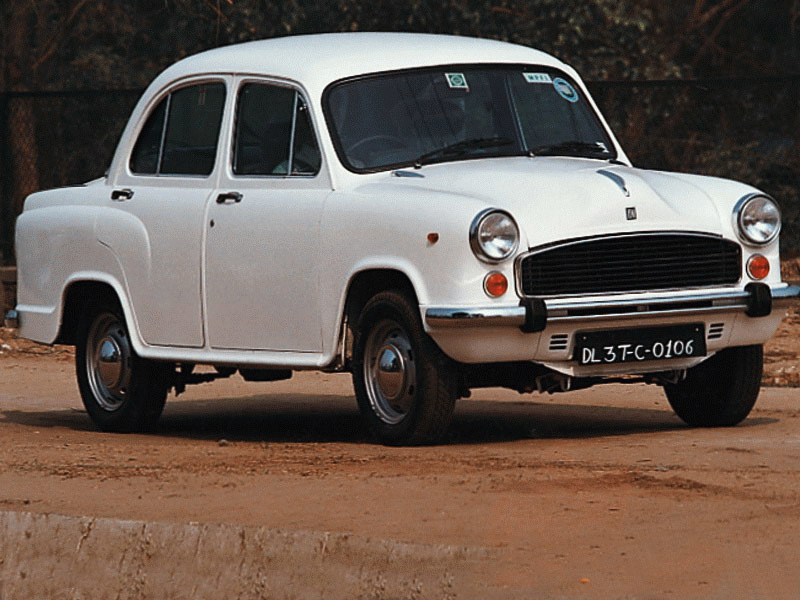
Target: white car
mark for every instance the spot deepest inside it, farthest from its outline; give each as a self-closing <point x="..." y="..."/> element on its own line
<point x="429" y="213"/>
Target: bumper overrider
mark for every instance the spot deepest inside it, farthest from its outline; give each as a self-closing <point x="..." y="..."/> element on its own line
<point x="533" y="314"/>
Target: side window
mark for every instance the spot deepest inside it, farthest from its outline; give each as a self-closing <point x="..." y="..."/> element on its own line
<point x="180" y="136"/>
<point x="273" y="133"/>
<point x="306" y="158"/>
<point x="195" y="116"/>
<point x="263" y="130"/>
<point x="144" y="159"/>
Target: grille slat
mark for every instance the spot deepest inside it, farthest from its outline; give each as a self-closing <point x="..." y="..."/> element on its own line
<point x="631" y="263"/>
<point x="709" y="265"/>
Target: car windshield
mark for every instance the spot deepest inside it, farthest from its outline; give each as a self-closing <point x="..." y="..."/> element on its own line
<point x="441" y="114"/>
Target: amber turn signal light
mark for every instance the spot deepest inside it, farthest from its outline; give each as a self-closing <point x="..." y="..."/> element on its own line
<point x="758" y="266"/>
<point x="495" y="284"/>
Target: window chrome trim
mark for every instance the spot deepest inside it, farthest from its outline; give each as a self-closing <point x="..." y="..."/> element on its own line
<point x="290" y="162"/>
<point x="163" y="139"/>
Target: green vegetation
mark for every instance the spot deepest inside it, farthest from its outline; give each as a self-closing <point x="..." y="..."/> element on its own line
<point x="744" y="131"/>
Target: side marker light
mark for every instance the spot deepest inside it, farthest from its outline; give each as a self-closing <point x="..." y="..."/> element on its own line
<point x="758" y="267"/>
<point x="495" y="284"/>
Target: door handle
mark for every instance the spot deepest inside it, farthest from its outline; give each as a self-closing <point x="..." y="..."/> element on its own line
<point x="120" y="195"/>
<point x="229" y="197"/>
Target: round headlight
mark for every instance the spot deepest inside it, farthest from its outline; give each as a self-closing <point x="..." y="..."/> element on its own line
<point x="494" y="236"/>
<point x="758" y="218"/>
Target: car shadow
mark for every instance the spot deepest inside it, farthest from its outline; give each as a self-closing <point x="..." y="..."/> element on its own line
<point x="488" y="422"/>
<point x="307" y="418"/>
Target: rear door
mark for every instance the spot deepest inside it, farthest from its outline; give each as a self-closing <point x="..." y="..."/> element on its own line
<point x="162" y="194"/>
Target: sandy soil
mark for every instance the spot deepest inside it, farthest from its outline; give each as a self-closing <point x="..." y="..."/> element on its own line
<point x="595" y="494"/>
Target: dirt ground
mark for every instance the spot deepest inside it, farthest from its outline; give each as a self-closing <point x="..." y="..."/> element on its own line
<point x="602" y="493"/>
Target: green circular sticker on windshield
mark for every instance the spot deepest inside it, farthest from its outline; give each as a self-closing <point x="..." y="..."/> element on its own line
<point x="565" y="89"/>
<point x="457" y="81"/>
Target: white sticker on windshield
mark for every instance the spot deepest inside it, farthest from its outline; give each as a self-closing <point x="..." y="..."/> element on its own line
<point x="537" y="77"/>
<point x="457" y="81"/>
<point x="565" y="89"/>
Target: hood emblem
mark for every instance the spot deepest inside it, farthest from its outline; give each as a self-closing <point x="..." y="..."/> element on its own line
<point x="616" y="179"/>
<point x="630" y="213"/>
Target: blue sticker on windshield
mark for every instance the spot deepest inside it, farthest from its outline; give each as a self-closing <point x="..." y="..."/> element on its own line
<point x="565" y="89"/>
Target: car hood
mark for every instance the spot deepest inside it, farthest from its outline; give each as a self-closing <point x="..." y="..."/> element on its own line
<point x="555" y="198"/>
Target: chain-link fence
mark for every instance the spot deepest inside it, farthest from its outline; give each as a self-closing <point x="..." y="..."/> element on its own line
<point x="745" y="129"/>
<point x="50" y="139"/>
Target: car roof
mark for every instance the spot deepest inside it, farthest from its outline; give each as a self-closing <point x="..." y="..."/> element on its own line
<point x="317" y="60"/>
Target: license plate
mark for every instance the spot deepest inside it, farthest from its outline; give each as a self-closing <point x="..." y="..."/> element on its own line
<point x="639" y="345"/>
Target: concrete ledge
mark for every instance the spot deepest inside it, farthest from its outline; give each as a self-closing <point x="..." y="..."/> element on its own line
<point x="70" y="558"/>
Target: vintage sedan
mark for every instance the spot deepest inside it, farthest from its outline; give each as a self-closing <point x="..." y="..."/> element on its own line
<point x="429" y="213"/>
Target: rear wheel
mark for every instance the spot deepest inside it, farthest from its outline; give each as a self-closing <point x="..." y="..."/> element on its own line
<point x="721" y="391"/>
<point x="405" y="386"/>
<point x="121" y="392"/>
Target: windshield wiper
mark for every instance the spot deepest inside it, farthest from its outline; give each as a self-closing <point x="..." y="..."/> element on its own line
<point x="571" y="148"/>
<point x="463" y="147"/>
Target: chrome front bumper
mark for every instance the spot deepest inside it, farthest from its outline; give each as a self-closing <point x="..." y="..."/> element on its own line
<point x="757" y="300"/>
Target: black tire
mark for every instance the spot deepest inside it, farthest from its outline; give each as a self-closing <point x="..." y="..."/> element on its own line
<point x="405" y="386"/>
<point x="121" y="392"/>
<point x="721" y="391"/>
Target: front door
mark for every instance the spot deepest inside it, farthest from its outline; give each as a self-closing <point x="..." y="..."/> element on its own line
<point x="262" y="284"/>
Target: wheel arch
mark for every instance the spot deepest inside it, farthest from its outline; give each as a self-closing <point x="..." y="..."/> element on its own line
<point x="76" y="295"/>
<point x="363" y="286"/>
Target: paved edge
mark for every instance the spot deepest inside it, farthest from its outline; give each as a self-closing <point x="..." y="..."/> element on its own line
<point x="66" y="557"/>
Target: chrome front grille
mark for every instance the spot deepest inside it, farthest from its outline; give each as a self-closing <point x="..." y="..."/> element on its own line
<point x="628" y="263"/>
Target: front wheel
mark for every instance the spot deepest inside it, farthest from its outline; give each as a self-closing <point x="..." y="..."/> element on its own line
<point x="121" y="392"/>
<point x="405" y="386"/>
<point x="721" y="391"/>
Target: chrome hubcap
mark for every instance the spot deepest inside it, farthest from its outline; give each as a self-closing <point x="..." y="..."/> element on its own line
<point x="389" y="372"/>
<point x="108" y="362"/>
